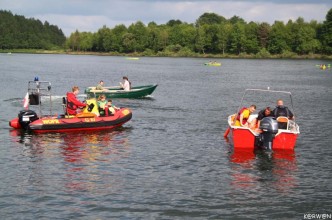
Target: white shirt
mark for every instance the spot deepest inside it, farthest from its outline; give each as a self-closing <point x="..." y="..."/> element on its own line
<point x="125" y="85"/>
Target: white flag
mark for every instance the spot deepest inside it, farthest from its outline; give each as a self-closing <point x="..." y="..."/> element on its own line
<point x="26" y="101"/>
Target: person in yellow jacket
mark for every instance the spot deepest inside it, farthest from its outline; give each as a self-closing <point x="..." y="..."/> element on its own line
<point x="243" y="116"/>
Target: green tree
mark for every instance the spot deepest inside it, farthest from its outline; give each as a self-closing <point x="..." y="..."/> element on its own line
<point x="237" y="39"/>
<point x="279" y="36"/>
<point x="263" y="33"/>
<point x="103" y="39"/>
<point x="129" y="42"/>
<point x="86" y="42"/>
<point x="326" y="33"/>
<point x="182" y="34"/>
<point x="172" y="22"/>
<point x="251" y="43"/>
<point x="153" y="37"/>
<point x="236" y="19"/>
<point x="18" y="32"/>
<point x="116" y="38"/>
<point x="200" y="41"/>
<point x="139" y="36"/>
<point x="303" y="37"/>
<point x="209" y="19"/>
<point x="74" y="41"/>
<point x="107" y="38"/>
<point x="223" y="35"/>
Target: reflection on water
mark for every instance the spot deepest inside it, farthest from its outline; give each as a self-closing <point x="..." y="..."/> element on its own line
<point x="76" y="150"/>
<point x="171" y="163"/>
<point x="273" y="169"/>
<point x="87" y="157"/>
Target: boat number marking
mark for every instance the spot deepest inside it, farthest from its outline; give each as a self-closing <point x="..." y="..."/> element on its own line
<point x="89" y="119"/>
<point x="51" y="121"/>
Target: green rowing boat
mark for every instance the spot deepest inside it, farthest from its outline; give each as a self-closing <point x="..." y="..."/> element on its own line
<point x="118" y="92"/>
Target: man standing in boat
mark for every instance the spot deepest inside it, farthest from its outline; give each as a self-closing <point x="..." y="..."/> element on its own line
<point x="73" y="104"/>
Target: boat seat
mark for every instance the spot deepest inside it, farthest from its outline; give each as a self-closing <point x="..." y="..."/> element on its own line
<point x="95" y="90"/>
<point x="283" y="122"/>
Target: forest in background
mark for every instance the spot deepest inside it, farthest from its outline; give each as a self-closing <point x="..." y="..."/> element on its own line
<point x="18" y="32"/>
<point x="211" y="34"/>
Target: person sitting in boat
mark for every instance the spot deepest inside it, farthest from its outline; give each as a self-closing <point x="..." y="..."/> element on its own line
<point x="266" y="112"/>
<point x="74" y="105"/>
<point x="243" y="116"/>
<point x="106" y="108"/>
<point x="100" y="86"/>
<point x="111" y="108"/>
<point x="125" y="84"/>
<point x="281" y="110"/>
<point x="101" y="102"/>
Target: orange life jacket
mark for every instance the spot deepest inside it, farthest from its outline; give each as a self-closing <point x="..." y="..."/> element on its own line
<point x="244" y="120"/>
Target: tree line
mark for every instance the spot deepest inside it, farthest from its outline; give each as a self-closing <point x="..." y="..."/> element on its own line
<point x="210" y="34"/>
<point x="18" y="32"/>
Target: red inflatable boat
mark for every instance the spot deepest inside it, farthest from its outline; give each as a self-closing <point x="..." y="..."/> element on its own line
<point x="89" y="119"/>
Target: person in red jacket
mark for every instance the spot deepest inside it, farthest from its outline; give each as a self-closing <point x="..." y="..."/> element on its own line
<point x="73" y="104"/>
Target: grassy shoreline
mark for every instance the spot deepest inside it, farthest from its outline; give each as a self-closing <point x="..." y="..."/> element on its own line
<point x="191" y="55"/>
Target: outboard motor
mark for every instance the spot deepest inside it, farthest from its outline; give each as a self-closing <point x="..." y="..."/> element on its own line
<point x="269" y="127"/>
<point x="25" y="117"/>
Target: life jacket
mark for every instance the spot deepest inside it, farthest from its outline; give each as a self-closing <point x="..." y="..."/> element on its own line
<point x="109" y="110"/>
<point x="73" y="103"/>
<point x="281" y="111"/>
<point x="106" y="111"/>
<point x="239" y="114"/>
<point x="71" y="107"/>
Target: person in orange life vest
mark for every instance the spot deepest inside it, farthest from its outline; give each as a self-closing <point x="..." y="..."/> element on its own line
<point x="243" y="116"/>
<point x="73" y="104"/>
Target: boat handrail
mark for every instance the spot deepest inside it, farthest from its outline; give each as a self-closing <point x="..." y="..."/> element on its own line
<point x="39" y="89"/>
<point x="266" y="90"/>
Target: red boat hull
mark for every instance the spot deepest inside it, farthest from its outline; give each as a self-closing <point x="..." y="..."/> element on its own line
<point x="284" y="141"/>
<point x="244" y="138"/>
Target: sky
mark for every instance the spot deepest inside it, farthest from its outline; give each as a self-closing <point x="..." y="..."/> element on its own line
<point x="91" y="15"/>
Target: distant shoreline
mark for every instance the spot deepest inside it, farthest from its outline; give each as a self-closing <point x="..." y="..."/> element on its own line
<point x="214" y="56"/>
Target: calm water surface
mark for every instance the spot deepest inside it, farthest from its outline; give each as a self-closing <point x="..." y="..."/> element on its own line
<point x="171" y="160"/>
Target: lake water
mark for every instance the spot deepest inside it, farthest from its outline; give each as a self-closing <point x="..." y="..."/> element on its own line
<point x="171" y="160"/>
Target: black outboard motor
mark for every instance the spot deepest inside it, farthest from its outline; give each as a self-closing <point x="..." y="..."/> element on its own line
<point x="25" y="117"/>
<point x="269" y="127"/>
